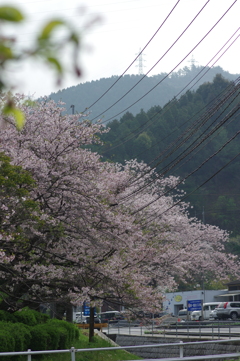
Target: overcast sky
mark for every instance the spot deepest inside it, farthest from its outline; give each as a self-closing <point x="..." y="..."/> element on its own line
<point x="111" y="44"/>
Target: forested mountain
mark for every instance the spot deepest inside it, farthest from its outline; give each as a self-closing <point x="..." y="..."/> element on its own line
<point x="164" y="88"/>
<point x="147" y="129"/>
<point x="179" y="137"/>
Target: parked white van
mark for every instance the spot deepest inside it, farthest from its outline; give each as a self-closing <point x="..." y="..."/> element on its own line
<point x="207" y="308"/>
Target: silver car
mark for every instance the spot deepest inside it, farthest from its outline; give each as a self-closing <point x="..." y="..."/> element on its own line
<point x="228" y="310"/>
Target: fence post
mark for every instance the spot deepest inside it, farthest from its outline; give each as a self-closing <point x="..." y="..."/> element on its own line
<point x="181" y="349"/>
<point x="72" y="354"/>
<point x="129" y="328"/>
<point x="29" y="358"/>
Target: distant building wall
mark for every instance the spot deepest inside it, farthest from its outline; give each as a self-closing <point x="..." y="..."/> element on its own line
<point x="176" y="301"/>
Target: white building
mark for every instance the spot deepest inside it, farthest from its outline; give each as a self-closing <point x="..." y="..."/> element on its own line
<point x="176" y="301"/>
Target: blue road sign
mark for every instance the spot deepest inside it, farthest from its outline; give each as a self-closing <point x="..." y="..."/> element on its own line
<point x="86" y="309"/>
<point x="194" y="305"/>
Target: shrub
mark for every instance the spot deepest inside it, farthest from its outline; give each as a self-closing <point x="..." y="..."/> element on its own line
<point x="63" y="337"/>
<point x="19" y="332"/>
<point x="26" y="316"/>
<point x="72" y="330"/>
<point x="39" y="338"/>
<point x="22" y="336"/>
<point x="53" y="340"/>
<point x="35" y="331"/>
<point x="40" y="317"/>
<point x="6" y="316"/>
<point x="7" y="342"/>
<point x="49" y="337"/>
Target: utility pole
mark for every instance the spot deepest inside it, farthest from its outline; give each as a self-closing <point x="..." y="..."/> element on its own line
<point x="140" y="61"/>
<point x="72" y="106"/>
<point x="203" y="216"/>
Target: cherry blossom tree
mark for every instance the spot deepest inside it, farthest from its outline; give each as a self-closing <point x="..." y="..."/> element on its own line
<point x="22" y="225"/>
<point x="116" y="234"/>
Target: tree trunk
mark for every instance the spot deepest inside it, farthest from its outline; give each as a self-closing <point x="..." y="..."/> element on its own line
<point x="69" y="313"/>
<point x="60" y="310"/>
<point x="91" y="324"/>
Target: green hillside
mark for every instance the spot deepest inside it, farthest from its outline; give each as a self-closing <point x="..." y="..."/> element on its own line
<point x="179" y="138"/>
<point x="164" y="88"/>
<point x="149" y="129"/>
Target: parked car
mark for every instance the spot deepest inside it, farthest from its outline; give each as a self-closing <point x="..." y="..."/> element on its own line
<point x="228" y="310"/>
<point x="96" y="319"/>
<point x="111" y="316"/>
<point x="213" y="314"/>
<point x="182" y="315"/>
<point x="207" y="308"/>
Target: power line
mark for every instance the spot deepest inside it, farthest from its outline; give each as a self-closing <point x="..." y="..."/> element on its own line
<point x="218" y="102"/>
<point x="191" y="22"/>
<point x="133" y="133"/>
<point x="187" y="195"/>
<point x="177" y="160"/>
<point x="161" y="173"/>
<point x="196" y="169"/>
<point x="124" y="110"/>
<point x="200" y="136"/>
<point x="90" y="106"/>
<point x="211" y="138"/>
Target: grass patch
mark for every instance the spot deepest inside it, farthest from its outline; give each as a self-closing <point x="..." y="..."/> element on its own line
<point x="83" y="342"/>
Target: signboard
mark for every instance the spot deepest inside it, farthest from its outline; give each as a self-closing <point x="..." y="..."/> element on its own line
<point x="194" y="305"/>
<point x="86" y="309"/>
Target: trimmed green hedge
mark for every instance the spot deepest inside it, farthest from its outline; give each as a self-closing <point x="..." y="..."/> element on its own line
<point x="72" y="330"/>
<point x="36" y="331"/>
<point x="39" y="338"/>
<point x="20" y="333"/>
<point x="26" y="316"/>
<point x="6" y="316"/>
<point x="7" y="341"/>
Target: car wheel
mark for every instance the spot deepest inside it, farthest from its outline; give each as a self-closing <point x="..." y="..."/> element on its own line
<point x="234" y="316"/>
<point x="200" y="318"/>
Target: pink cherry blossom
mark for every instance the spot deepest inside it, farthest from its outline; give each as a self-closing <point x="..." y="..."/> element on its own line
<point x="115" y="236"/>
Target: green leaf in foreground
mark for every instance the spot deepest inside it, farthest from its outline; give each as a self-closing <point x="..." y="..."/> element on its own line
<point x="16" y="113"/>
<point x="9" y="13"/>
<point x="48" y="29"/>
<point x="56" y="64"/>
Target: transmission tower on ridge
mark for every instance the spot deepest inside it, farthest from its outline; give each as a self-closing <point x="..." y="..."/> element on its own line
<point x="193" y="62"/>
<point x="140" y="61"/>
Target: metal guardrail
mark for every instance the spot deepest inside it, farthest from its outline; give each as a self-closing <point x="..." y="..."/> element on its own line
<point x="213" y="329"/>
<point x="181" y="345"/>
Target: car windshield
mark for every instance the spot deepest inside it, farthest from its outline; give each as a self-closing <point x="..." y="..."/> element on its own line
<point x="213" y="307"/>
